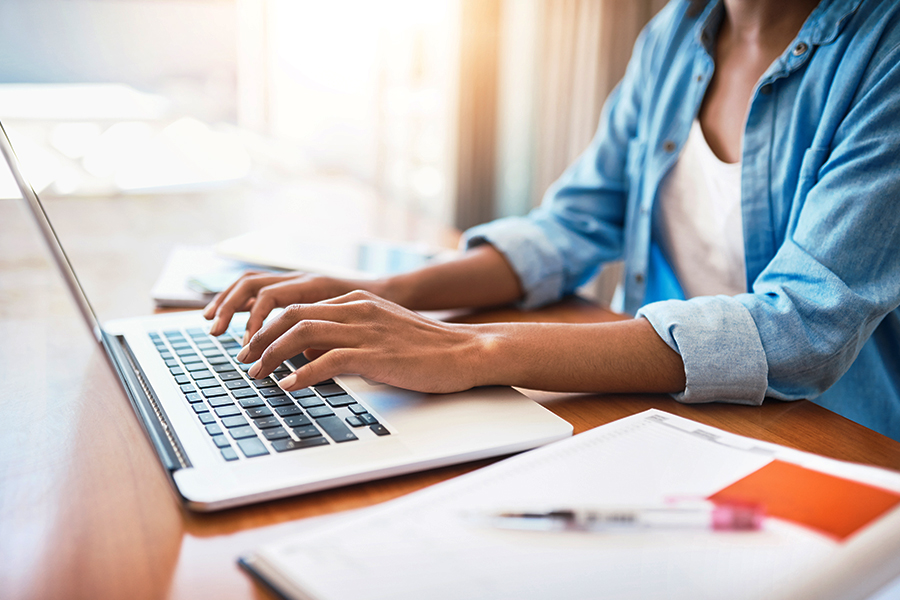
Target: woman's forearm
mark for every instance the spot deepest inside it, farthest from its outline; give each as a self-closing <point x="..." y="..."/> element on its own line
<point x="625" y="356"/>
<point x="478" y="278"/>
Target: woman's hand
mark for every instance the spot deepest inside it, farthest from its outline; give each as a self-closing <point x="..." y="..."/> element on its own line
<point x="260" y="293"/>
<point x="364" y="334"/>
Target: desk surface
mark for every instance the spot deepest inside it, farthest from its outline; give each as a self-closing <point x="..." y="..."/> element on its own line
<point x="85" y="508"/>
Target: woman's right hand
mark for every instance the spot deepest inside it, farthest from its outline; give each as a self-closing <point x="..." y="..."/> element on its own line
<point x="260" y="293"/>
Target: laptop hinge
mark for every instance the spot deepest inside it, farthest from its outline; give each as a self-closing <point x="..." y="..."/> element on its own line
<point x="146" y="404"/>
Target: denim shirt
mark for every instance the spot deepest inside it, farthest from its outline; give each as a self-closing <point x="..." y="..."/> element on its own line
<point x="820" y="200"/>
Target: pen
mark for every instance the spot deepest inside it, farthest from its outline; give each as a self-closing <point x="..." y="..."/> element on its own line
<point x="718" y="517"/>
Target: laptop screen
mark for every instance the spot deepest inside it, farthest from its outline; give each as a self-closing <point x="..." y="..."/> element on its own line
<point x="43" y="221"/>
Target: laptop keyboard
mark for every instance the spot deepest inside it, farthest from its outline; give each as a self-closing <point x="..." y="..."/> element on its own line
<point x="247" y="417"/>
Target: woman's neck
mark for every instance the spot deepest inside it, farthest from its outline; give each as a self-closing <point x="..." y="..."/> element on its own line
<point x="765" y="24"/>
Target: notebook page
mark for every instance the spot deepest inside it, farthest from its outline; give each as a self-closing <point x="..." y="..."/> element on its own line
<point x="426" y="544"/>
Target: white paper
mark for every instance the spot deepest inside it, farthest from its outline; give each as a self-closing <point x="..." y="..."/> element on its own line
<point x="426" y="545"/>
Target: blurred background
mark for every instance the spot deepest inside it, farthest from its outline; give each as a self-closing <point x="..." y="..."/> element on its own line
<point x="457" y="110"/>
<point x="443" y="112"/>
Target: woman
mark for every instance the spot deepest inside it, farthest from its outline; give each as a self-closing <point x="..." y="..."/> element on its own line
<point x="745" y="169"/>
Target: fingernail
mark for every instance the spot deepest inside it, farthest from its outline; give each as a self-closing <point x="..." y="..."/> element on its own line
<point x="288" y="381"/>
<point x="254" y="370"/>
<point x="243" y="353"/>
<point x="208" y="311"/>
<point x="246" y="338"/>
<point x="217" y="325"/>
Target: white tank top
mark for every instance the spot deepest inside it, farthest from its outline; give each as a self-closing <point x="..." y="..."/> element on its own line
<point x="699" y="221"/>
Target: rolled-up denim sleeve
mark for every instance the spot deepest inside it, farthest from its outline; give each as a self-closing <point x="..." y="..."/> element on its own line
<point x="724" y="360"/>
<point x="531" y="254"/>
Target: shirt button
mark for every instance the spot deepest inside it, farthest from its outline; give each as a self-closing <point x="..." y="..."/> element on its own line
<point x="800" y="49"/>
<point x="766" y="89"/>
<point x="669" y="146"/>
<point x="639" y="277"/>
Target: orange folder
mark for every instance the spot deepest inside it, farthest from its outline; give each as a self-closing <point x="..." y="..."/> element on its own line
<point x="832" y="505"/>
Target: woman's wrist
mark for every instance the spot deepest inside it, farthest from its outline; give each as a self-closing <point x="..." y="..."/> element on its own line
<point x="391" y="288"/>
<point x="489" y="359"/>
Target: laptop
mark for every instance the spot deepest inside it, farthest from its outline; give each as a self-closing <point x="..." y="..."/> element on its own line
<point x="226" y="439"/>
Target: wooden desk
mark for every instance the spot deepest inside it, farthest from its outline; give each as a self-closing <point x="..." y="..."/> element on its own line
<point x="85" y="508"/>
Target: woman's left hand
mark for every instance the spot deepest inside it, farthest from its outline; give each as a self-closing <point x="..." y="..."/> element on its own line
<point x="364" y="334"/>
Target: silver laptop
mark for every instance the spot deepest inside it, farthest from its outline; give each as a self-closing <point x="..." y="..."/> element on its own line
<point x="226" y="439"/>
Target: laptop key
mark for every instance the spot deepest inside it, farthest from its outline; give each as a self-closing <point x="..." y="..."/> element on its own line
<point x="172" y="363"/>
<point x="368" y="419"/>
<point x="320" y="411"/>
<point x="187" y="388"/>
<point x="251" y="402"/>
<point x="357" y="409"/>
<point x="257" y="412"/>
<point x="329" y="389"/>
<point x="228" y="411"/>
<point x="282" y="400"/>
<point x="270" y="392"/>
<point x="194" y="397"/>
<point x="212" y="392"/>
<point x="235" y="421"/>
<point x="213" y="429"/>
<point x="190" y="367"/>
<point x="307" y="431"/>
<point x="239" y="433"/>
<point x="342" y="400"/>
<point x="219" y="401"/>
<point x="275" y="433"/>
<point x="229" y="375"/>
<point x="182" y="379"/>
<point x="335" y="428"/>
<point x="266" y="422"/>
<point x="285" y="445"/>
<point x="206" y="383"/>
<point x="229" y="454"/>
<point x="200" y="408"/>
<point x="176" y="370"/>
<point x="287" y="411"/>
<point x="206" y="418"/>
<point x="379" y="429"/>
<point x="297" y="421"/>
<point x="252" y="447"/>
<point x="221" y="441"/>
<point x="310" y="402"/>
<point x="244" y="393"/>
<point x="304" y="393"/>
<point x="236" y="384"/>
<point x="202" y="374"/>
<point x="223" y="368"/>
<point x="354" y="421"/>
<point x="264" y="383"/>
<point x="218" y="360"/>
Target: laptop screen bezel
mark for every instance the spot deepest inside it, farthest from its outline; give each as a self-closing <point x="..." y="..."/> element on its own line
<point x="56" y="250"/>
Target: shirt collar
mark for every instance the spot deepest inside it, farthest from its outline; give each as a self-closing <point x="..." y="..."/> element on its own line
<point x="822" y="27"/>
<point x="827" y="20"/>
